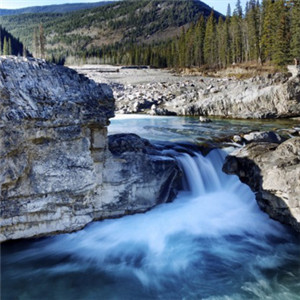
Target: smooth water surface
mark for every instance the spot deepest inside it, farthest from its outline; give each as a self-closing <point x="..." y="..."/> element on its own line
<point x="212" y="242"/>
<point x="189" y="129"/>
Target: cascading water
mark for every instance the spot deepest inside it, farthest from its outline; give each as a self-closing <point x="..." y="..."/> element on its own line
<point x="212" y="242"/>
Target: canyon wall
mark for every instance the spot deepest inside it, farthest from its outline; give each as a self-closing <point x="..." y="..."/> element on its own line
<point x="56" y="171"/>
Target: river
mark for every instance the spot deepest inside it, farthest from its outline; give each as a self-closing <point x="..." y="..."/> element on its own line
<point x="212" y="242"/>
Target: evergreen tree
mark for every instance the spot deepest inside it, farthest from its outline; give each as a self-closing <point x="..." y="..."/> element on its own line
<point x="42" y="41"/>
<point x="25" y="52"/>
<point x="227" y="39"/>
<point x="295" y="29"/>
<point x="5" y="47"/>
<point x="210" y="47"/>
<point x="199" y="41"/>
<point x="36" y="44"/>
<point x="9" y="47"/>
<point x="253" y="26"/>
<point x="237" y="34"/>
<point x="268" y="29"/>
<point x="221" y="43"/>
<point x="182" y="48"/>
<point x="282" y="40"/>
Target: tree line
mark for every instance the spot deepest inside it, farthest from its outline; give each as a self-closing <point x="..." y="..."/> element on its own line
<point x="266" y="32"/>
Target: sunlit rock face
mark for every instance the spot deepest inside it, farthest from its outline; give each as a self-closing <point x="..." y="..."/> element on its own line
<point x="53" y="151"/>
<point x="273" y="172"/>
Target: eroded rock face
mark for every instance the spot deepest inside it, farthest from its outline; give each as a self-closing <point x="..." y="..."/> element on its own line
<point x="273" y="173"/>
<point x="249" y="99"/>
<point x="54" y="150"/>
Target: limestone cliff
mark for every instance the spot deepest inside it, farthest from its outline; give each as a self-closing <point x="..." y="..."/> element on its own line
<point x="273" y="173"/>
<point x="54" y="150"/>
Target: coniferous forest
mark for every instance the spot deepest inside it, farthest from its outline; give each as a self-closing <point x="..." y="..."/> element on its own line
<point x="9" y="45"/>
<point x="267" y="32"/>
<point x="263" y="32"/>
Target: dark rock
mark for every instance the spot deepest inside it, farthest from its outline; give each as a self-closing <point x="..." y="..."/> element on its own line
<point x="120" y="143"/>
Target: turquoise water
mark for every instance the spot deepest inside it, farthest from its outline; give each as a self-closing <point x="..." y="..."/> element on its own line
<point x="212" y="242"/>
<point x="189" y="129"/>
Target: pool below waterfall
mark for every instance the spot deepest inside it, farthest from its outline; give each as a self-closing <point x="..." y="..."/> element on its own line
<point x="211" y="242"/>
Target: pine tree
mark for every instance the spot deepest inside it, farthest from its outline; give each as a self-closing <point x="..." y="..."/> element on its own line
<point x="253" y="26"/>
<point x="221" y="43"/>
<point x="25" y="52"/>
<point x="36" y="44"/>
<point x="182" y="48"/>
<point x="227" y="37"/>
<point x="9" y="47"/>
<point x="42" y="41"/>
<point x="5" y="47"/>
<point x="210" y="47"/>
<point x="199" y="41"/>
<point x="237" y="34"/>
<point x="282" y="40"/>
<point x="268" y="30"/>
<point x="295" y="29"/>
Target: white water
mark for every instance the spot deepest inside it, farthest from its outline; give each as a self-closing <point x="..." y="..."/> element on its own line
<point x="212" y="242"/>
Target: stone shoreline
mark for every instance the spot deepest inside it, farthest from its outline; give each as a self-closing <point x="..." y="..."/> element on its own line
<point x="158" y="92"/>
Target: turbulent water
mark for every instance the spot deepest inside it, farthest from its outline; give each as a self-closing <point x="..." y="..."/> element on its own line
<point x="212" y="242"/>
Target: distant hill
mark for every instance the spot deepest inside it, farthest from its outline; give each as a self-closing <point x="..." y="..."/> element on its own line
<point x="94" y="30"/>
<point x="63" y="8"/>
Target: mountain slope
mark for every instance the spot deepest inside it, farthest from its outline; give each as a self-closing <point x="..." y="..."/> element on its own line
<point x="63" y="8"/>
<point x="128" y="21"/>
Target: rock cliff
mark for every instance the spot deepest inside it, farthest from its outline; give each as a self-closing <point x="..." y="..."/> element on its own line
<point x="273" y="173"/>
<point x="56" y="171"/>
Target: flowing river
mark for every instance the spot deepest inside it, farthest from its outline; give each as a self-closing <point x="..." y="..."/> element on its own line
<point x="212" y="242"/>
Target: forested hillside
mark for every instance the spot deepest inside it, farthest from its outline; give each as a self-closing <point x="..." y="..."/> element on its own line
<point x="62" y="8"/>
<point x="183" y="33"/>
<point x="82" y="33"/>
<point x="267" y="32"/>
<point x="9" y="45"/>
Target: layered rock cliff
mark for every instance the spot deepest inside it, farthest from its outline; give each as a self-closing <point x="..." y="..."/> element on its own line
<point x="56" y="171"/>
<point x="273" y="173"/>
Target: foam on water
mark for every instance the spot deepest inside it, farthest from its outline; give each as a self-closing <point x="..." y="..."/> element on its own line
<point x="212" y="242"/>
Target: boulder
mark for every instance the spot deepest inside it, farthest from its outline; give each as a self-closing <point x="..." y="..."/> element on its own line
<point x="273" y="173"/>
<point x="204" y="120"/>
<point x="138" y="175"/>
<point x="260" y="136"/>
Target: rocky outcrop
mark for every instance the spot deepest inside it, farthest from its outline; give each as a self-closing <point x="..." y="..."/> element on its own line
<point x="56" y="171"/>
<point x="273" y="173"/>
<point x="138" y="175"/>
<point x="259" y="97"/>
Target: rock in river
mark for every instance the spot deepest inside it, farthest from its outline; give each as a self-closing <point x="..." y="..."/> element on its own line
<point x="273" y="173"/>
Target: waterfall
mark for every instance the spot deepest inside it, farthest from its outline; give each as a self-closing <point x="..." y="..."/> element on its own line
<point x="207" y="244"/>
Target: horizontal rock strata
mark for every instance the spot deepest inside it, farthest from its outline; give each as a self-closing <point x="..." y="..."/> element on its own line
<point x="273" y="173"/>
<point x="56" y="171"/>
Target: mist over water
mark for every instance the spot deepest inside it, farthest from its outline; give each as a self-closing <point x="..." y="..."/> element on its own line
<point x="212" y="242"/>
